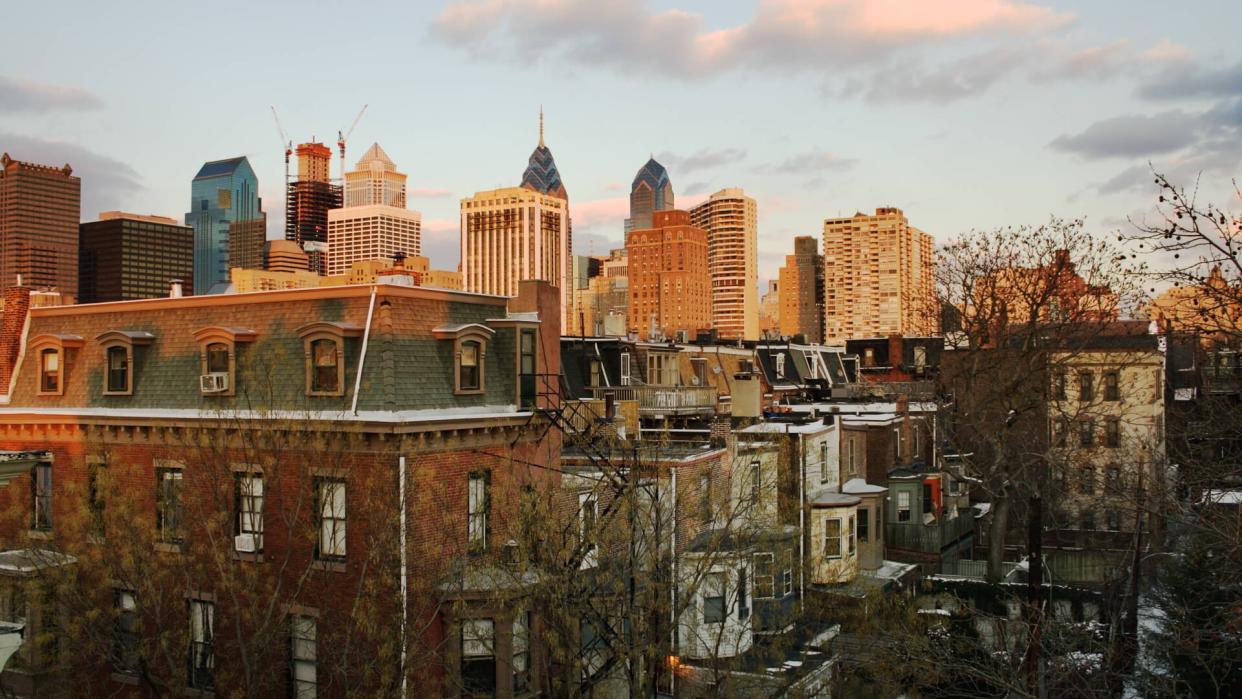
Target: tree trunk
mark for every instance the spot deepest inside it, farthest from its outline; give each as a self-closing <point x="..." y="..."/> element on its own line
<point x="996" y="537"/>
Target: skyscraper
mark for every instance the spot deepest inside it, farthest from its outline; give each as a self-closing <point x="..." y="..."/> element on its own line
<point x="40" y="207"/>
<point x="517" y="233"/>
<point x="651" y="191"/>
<point x="877" y="277"/>
<point x="224" y="203"/>
<point x="123" y="257"/>
<point x="802" y="291"/>
<point x="669" y="283"/>
<point x="731" y="221"/>
<point x="374" y="223"/>
<point x="310" y="197"/>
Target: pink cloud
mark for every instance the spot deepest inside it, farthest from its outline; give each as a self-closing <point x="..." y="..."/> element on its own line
<point x="598" y="212"/>
<point x="442" y="227"/>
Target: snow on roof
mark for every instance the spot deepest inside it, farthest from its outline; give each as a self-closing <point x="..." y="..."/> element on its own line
<point x="786" y="428"/>
<point x="982" y="509"/>
<point x="891" y="570"/>
<point x="1222" y="497"/>
<point x="859" y="486"/>
<point x="832" y="498"/>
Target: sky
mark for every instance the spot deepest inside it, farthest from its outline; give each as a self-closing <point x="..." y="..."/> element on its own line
<point x="967" y="114"/>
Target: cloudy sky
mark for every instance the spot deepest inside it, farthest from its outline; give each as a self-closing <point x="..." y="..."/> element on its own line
<point x="965" y="113"/>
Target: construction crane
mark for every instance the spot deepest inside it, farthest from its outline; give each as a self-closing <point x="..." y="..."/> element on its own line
<point x="288" y="146"/>
<point x="341" y="138"/>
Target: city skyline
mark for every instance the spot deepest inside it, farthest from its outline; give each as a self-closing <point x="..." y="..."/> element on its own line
<point x="1093" y="97"/>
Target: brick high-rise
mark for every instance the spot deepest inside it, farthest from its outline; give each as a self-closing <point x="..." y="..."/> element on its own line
<point x="730" y="219"/>
<point x="670" y="288"/>
<point x="877" y="277"/>
<point x="40" y="207"/>
<point x="123" y="257"/>
<point x="802" y="291"/>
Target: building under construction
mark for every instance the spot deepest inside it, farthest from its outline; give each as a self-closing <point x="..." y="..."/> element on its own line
<point x="309" y="198"/>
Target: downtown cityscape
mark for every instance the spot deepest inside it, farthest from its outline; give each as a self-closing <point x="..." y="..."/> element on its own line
<point x="851" y="348"/>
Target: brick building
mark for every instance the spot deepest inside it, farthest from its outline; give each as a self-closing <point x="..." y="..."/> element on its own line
<point x="669" y="285"/>
<point x="40" y="206"/>
<point x="308" y="481"/>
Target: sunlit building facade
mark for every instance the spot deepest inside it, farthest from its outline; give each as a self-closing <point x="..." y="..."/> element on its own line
<point x="731" y="221"/>
<point x="40" y="207"/>
<point x="224" y="199"/>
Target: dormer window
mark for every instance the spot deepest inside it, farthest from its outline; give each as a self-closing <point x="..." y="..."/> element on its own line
<point x="50" y="353"/>
<point x="218" y="358"/>
<point x="118" y="346"/>
<point x="325" y="356"/>
<point x="469" y="355"/>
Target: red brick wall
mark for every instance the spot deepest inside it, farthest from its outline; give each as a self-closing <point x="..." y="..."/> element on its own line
<point x="12" y="320"/>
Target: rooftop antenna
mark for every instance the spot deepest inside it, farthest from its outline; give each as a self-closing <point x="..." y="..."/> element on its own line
<point x="541" y="125"/>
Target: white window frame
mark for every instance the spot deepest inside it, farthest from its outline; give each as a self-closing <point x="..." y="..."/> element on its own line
<point x="202" y="650"/>
<point x="249" y="507"/>
<point x="304" y="656"/>
<point x="625" y="369"/>
<point x="478" y="512"/>
<point x="331" y="496"/>
<point x="828" y="521"/>
<point x="761" y="580"/>
<point x="903" y="505"/>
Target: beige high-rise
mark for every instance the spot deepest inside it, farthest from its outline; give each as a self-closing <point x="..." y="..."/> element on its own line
<point x="731" y="221"/>
<point x="512" y="234"/>
<point x="374" y="224"/>
<point x="877" y="277"/>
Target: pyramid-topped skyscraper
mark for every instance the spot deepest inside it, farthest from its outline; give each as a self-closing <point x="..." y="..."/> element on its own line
<point x="651" y="191"/>
<point x="541" y="174"/>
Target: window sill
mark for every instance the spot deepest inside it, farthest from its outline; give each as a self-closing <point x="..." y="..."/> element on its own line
<point x="325" y="394"/>
<point x="249" y="557"/>
<point x="118" y="393"/>
<point x="123" y="678"/>
<point x="168" y="547"/>
<point x="332" y="566"/>
<point x="190" y="692"/>
<point x="41" y="534"/>
<point x="468" y="392"/>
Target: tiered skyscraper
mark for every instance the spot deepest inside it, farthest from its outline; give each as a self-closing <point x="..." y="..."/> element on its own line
<point x="651" y="191"/>
<point x="802" y="291"/>
<point x="40" y="206"/>
<point x="374" y="223"/>
<point x="310" y="197"/>
<point x="731" y="221"/>
<point x="229" y="225"/>
<point x="877" y="277"/>
<point x="517" y="233"/>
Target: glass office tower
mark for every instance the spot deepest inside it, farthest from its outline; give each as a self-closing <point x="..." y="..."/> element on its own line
<point x="224" y="195"/>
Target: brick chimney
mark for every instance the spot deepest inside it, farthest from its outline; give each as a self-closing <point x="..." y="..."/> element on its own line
<point x="12" y="322"/>
<point x="895" y="358"/>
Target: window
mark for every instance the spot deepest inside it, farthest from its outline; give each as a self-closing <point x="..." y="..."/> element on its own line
<point x="521" y="651"/>
<point x="1113" y="519"/>
<point x="780" y="366"/>
<point x="699" y="368"/>
<point x="713" y="598"/>
<point x="248" y="512"/>
<point x="49" y="371"/>
<point x="526" y="352"/>
<point x="330" y="501"/>
<point x="125" y="633"/>
<point x="217" y="358"/>
<point x="705" y="490"/>
<point x="903" y="506"/>
<point x="325" y="362"/>
<point x="1112" y="385"/>
<point x="168" y="507"/>
<point x="920" y="358"/>
<point x="788" y="571"/>
<point x="764" y="579"/>
<point x="588" y="511"/>
<point x="1058" y="385"/>
<point x="118" y="369"/>
<point x="1088" y="520"/>
<point x="625" y="368"/>
<point x="896" y="443"/>
<point x="41" y="490"/>
<point x="755" y="484"/>
<point x="303" y="656"/>
<point x="478" y="507"/>
<point x="478" y="657"/>
<point x="1086" y="387"/>
<point x="853" y="537"/>
<point x="852" y="462"/>
<point x="202" y="644"/>
<point x="832" y="538"/>
<point x="1112" y="432"/>
<point x="743" y="603"/>
<point x="95" y="498"/>
<point x="864" y="524"/>
<point x="1088" y="480"/>
<point x="595" y="371"/>
<point x="929" y="507"/>
<point x="1112" y="480"/>
<point x="468" y="366"/>
<point x="823" y="462"/>
<point x="1060" y="432"/>
<point x="1086" y="433"/>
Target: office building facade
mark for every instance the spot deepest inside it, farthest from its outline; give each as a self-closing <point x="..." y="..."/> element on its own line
<point x="225" y="203"/>
<point x="124" y="257"/>
<point x="731" y="221"/>
<point x="669" y="283"/>
<point x="309" y="199"/>
<point x="40" y="208"/>
<point x="802" y="292"/>
<point x="651" y="191"/>
<point x="374" y="224"/>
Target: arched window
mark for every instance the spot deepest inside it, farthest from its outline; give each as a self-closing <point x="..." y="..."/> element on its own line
<point x="49" y="370"/>
<point x="468" y="373"/>
<point x="118" y="369"/>
<point x="324" y="364"/>
<point x="217" y="358"/>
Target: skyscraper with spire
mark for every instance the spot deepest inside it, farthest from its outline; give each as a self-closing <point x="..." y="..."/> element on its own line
<point x="651" y="191"/>
<point x="517" y="233"/>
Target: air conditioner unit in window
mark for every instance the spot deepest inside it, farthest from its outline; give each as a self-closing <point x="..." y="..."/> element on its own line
<point x="246" y="543"/>
<point x="217" y="382"/>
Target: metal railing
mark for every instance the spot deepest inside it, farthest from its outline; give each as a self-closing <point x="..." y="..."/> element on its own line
<point x="669" y="400"/>
<point x="930" y="538"/>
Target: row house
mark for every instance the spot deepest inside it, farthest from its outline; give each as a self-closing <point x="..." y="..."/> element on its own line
<point x="324" y="483"/>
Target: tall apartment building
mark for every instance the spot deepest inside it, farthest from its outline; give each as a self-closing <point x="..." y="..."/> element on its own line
<point x="669" y="283"/>
<point x="374" y="223"/>
<point x="802" y="291"/>
<point x="40" y="206"/>
<point x="309" y="199"/>
<point x="877" y="277"/>
<point x="124" y="257"/>
<point x="517" y="233"/>
<point x="731" y="221"/>
<point x="227" y="216"/>
<point x="651" y="191"/>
